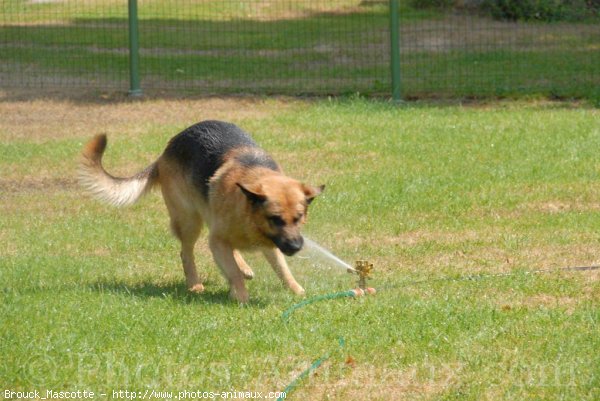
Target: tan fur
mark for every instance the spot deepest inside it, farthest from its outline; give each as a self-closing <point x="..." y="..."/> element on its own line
<point x="234" y="224"/>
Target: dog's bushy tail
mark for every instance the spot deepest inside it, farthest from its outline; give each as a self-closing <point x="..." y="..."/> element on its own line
<point x="114" y="190"/>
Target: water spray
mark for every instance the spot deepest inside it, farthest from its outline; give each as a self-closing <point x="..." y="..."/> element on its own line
<point x="362" y="268"/>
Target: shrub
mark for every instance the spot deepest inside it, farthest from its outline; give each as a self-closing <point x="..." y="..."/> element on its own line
<point x="543" y="10"/>
<point x="432" y="3"/>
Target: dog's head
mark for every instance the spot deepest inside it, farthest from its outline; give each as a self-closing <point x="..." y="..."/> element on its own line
<point x="279" y="207"/>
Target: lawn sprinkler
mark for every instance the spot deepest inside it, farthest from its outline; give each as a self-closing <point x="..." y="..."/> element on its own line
<point x="363" y="269"/>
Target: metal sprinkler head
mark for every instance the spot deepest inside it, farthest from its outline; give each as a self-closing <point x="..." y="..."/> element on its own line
<point x="363" y="268"/>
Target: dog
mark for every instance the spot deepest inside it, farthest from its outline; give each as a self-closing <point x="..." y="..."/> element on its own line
<point x="214" y="174"/>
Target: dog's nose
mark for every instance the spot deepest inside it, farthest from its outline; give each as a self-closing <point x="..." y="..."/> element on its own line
<point x="298" y="243"/>
<point x="291" y="247"/>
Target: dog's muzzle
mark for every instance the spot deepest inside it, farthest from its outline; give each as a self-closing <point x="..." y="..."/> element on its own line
<point x="289" y="246"/>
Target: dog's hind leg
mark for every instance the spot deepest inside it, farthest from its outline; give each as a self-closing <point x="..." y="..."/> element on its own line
<point x="278" y="263"/>
<point x="188" y="232"/>
<point x="224" y="256"/>
<point x="244" y="268"/>
<point x="186" y="225"/>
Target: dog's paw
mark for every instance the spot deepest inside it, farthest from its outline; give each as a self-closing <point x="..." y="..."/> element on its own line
<point x="247" y="273"/>
<point x="240" y="296"/>
<point x="196" y="288"/>
<point x="297" y="289"/>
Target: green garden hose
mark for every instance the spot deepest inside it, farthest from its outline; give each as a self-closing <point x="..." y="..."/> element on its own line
<point x="286" y="315"/>
<point x="315" y="365"/>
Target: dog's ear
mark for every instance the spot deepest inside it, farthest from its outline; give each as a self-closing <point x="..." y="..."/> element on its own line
<point x="312" y="192"/>
<point x="255" y="197"/>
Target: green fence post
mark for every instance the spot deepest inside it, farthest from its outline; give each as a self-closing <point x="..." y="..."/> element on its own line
<point x="134" y="55"/>
<point x="395" y="50"/>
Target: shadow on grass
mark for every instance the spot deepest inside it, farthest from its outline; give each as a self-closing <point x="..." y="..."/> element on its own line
<point x="173" y="291"/>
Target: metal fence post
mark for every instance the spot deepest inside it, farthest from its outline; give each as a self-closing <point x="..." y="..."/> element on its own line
<point x="134" y="56"/>
<point x="395" y="50"/>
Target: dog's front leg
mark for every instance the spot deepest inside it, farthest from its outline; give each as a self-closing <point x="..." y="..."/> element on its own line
<point x="223" y="254"/>
<point x="244" y="268"/>
<point x="278" y="263"/>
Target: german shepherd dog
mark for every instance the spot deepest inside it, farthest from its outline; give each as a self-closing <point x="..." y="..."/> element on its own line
<point x="213" y="173"/>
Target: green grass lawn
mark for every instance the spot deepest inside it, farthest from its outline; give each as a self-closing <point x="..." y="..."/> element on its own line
<point x="93" y="297"/>
<point x="305" y="47"/>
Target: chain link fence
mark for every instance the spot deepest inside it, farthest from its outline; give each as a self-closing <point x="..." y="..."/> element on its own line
<point x="296" y="47"/>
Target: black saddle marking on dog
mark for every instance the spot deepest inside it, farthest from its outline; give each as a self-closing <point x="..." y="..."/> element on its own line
<point x="257" y="157"/>
<point x="202" y="147"/>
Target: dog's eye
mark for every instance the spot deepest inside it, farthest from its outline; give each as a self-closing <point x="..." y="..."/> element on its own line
<point x="277" y="221"/>
<point x="297" y="219"/>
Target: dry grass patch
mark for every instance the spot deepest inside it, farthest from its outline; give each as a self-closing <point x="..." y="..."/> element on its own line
<point x="473" y="251"/>
<point x="410" y="238"/>
<point x="589" y="292"/>
<point x="501" y="259"/>
<point x="376" y="383"/>
<point x="459" y="32"/>
<point x="37" y="184"/>
<point x="38" y="121"/>
<point x="558" y="206"/>
<point x="544" y="301"/>
<point x="551" y="301"/>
